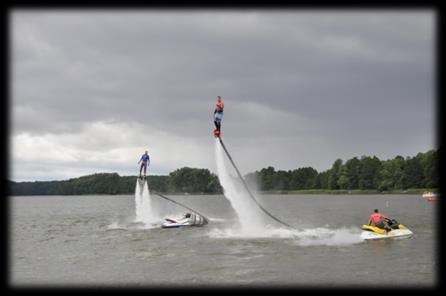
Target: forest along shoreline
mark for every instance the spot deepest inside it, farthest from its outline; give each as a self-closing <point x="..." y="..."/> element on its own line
<point x="365" y="175"/>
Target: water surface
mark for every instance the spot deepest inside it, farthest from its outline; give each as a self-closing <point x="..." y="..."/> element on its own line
<point x="94" y="241"/>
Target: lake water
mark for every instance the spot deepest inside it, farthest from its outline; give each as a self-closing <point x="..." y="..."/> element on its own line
<point x="93" y="241"/>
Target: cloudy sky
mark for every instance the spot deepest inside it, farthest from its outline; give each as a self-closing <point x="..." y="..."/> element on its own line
<point x="92" y="89"/>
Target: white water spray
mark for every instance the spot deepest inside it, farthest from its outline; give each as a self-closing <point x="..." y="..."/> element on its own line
<point x="319" y="236"/>
<point x="138" y="202"/>
<point x="252" y="220"/>
<point x="249" y="215"/>
<point x="144" y="209"/>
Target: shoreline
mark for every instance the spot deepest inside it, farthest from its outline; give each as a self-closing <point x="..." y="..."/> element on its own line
<point x="410" y="191"/>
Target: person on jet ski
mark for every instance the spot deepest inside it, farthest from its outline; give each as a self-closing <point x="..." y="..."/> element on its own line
<point x="379" y="220"/>
<point x="185" y="217"/>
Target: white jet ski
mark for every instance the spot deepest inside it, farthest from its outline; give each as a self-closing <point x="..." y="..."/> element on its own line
<point x="397" y="231"/>
<point x="188" y="219"/>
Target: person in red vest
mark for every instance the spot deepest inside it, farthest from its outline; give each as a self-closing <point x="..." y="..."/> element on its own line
<point x="218" y="115"/>
<point x="379" y="220"/>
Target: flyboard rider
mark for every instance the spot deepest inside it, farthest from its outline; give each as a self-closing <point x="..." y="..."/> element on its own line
<point x="145" y="162"/>
<point x="218" y="115"/>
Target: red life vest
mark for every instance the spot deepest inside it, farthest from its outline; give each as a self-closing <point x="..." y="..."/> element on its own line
<point x="220" y="105"/>
<point x="376" y="218"/>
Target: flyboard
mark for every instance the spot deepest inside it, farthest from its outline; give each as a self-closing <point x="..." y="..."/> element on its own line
<point x="397" y="230"/>
<point x="217" y="134"/>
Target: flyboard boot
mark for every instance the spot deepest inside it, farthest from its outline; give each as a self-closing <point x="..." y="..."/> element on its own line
<point x="217" y="133"/>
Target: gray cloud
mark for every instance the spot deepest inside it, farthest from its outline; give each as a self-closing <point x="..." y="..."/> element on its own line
<point x="354" y="82"/>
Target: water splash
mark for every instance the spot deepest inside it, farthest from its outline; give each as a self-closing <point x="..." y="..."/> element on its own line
<point x="319" y="236"/>
<point x="145" y="211"/>
<point x="115" y="226"/>
<point x="252" y="222"/>
<point x="138" y="202"/>
<point x="329" y="237"/>
<point x="267" y="232"/>
<point x="249" y="216"/>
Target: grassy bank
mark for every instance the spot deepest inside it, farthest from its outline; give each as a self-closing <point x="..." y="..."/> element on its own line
<point x="353" y="192"/>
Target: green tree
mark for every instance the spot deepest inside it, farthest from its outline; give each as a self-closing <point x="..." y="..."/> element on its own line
<point x="352" y="169"/>
<point x="413" y="173"/>
<point x="267" y="178"/>
<point x="391" y="174"/>
<point x="343" y="181"/>
<point x="322" y="180"/>
<point x="386" y="173"/>
<point x="192" y="180"/>
<point x="429" y="164"/>
<point x="310" y="177"/>
<point x="334" y="173"/>
<point x="282" y="180"/>
<point x="368" y="174"/>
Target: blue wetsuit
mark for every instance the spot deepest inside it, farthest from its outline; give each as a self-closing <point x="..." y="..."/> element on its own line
<point x="218" y="115"/>
<point x="145" y="161"/>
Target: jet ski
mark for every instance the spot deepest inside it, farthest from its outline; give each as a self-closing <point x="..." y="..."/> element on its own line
<point x="397" y="230"/>
<point x="188" y="219"/>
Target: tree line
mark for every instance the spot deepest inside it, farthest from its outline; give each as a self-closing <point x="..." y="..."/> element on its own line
<point x="190" y="180"/>
<point x="364" y="173"/>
